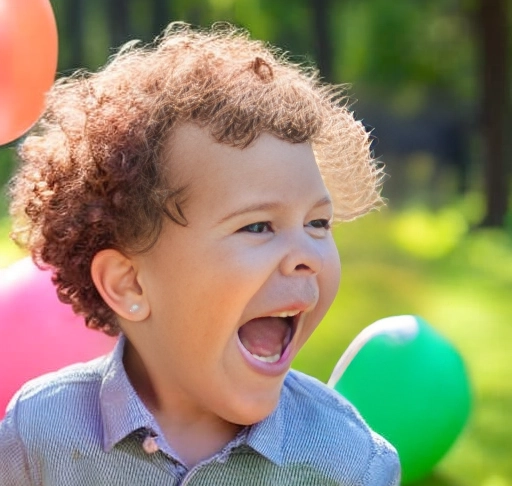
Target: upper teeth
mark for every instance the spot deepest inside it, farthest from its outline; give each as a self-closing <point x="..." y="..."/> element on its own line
<point x="289" y="313"/>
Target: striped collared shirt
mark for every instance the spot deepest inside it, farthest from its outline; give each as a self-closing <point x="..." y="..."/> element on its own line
<point x="86" y="426"/>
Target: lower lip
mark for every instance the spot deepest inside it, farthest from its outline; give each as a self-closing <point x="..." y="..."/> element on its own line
<point x="270" y="369"/>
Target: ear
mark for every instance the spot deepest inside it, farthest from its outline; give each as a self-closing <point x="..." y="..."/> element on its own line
<point x="115" y="278"/>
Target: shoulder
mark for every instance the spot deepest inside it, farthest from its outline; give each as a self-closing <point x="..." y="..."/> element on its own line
<point x="57" y="402"/>
<point x="311" y="396"/>
<point x="54" y="412"/>
<point x="72" y="380"/>
<point x="326" y="430"/>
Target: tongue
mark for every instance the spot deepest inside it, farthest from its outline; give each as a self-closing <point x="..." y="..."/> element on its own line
<point x="264" y="336"/>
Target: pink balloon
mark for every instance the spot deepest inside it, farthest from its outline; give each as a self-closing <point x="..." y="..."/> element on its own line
<point x="38" y="333"/>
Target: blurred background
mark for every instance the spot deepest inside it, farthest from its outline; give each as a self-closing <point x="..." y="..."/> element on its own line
<point x="431" y="82"/>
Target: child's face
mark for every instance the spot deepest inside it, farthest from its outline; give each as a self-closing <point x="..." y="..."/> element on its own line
<point x="256" y="246"/>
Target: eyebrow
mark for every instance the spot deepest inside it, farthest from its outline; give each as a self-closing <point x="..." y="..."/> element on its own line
<point x="268" y="206"/>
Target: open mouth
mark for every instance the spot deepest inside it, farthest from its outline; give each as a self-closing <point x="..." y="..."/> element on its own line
<point x="266" y="338"/>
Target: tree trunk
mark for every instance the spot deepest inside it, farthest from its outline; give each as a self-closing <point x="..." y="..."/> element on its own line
<point x="118" y="15"/>
<point x="323" y="45"/>
<point x="161" y="15"/>
<point x="74" y="24"/>
<point x="493" y="37"/>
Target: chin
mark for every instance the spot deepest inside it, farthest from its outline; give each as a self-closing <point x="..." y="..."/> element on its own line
<point x="253" y="411"/>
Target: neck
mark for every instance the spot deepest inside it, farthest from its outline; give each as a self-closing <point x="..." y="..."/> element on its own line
<point x="194" y="433"/>
<point x="199" y="440"/>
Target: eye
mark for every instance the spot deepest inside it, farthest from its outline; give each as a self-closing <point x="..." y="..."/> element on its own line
<point x="320" y="223"/>
<point x="260" y="227"/>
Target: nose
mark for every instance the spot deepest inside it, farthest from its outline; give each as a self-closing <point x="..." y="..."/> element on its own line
<point x="305" y="255"/>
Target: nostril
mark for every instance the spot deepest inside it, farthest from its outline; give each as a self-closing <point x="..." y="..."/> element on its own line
<point x="303" y="257"/>
<point x="302" y="266"/>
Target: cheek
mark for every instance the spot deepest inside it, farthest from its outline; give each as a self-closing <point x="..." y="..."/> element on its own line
<point x="328" y="283"/>
<point x="216" y="293"/>
<point x="240" y="272"/>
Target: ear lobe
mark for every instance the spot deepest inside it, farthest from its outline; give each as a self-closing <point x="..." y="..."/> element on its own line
<point x="115" y="278"/>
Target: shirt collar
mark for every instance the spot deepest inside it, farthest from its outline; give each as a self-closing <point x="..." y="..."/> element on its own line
<point x="123" y="413"/>
<point x="122" y="410"/>
<point x="267" y="437"/>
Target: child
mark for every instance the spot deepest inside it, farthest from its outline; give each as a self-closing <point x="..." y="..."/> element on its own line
<point x="178" y="196"/>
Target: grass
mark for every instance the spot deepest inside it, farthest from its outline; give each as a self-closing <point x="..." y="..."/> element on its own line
<point x="432" y="265"/>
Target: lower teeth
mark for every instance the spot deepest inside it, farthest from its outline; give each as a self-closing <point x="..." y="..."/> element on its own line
<point x="268" y="359"/>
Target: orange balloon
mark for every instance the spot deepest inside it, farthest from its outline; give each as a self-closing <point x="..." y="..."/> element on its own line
<point x="28" y="63"/>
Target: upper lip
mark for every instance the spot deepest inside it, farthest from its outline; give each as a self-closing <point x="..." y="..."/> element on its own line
<point x="291" y="310"/>
<point x="286" y="313"/>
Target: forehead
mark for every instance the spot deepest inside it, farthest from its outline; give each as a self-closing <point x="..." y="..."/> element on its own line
<point x="219" y="177"/>
<point x="193" y="155"/>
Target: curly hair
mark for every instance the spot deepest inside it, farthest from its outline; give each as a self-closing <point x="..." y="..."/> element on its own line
<point x="91" y="176"/>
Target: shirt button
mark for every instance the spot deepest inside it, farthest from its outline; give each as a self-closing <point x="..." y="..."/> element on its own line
<point x="149" y="445"/>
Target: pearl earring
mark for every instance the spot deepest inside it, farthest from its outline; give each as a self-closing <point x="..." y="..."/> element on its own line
<point x="134" y="308"/>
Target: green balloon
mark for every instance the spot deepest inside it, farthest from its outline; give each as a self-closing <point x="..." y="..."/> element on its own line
<point x="411" y="386"/>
